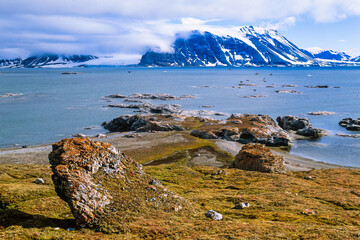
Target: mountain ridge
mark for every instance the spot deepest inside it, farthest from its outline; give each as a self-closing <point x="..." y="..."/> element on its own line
<point x="250" y="46"/>
<point x="46" y="60"/>
<point x="247" y="46"/>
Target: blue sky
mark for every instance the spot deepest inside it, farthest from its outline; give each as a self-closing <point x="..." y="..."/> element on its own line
<point x="126" y="29"/>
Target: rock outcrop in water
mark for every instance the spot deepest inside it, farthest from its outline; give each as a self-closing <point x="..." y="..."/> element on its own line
<point x="243" y="128"/>
<point x="104" y="188"/>
<point x="350" y="124"/>
<point x="246" y="128"/>
<point x="143" y="123"/>
<point x="257" y="157"/>
<point x="153" y="96"/>
<point x="302" y="126"/>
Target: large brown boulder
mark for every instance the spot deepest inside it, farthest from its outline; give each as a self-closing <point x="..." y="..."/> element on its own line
<point x="106" y="189"/>
<point x="257" y="157"/>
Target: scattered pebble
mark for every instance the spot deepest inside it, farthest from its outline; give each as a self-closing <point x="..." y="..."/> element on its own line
<point x="213" y="215"/>
<point x="100" y="135"/>
<point x="309" y="212"/>
<point x="355" y="193"/>
<point x="176" y="208"/>
<point x="80" y="135"/>
<point x="242" y="205"/>
<point x="39" y="181"/>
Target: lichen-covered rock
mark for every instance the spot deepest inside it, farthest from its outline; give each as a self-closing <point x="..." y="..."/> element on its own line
<point x="246" y="128"/>
<point x="103" y="187"/>
<point x="257" y="157"/>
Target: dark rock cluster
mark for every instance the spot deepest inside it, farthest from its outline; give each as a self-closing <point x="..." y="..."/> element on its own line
<point x="302" y="126"/>
<point x="350" y="124"/>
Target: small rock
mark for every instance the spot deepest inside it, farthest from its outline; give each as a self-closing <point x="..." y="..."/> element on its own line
<point x="309" y="212"/>
<point x="113" y="150"/>
<point x="355" y="193"/>
<point x="79" y="135"/>
<point x="131" y="135"/>
<point x="39" y="181"/>
<point x="287" y="91"/>
<point x="318" y="86"/>
<point x="10" y="95"/>
<point x="308" y="177"/>
<point x="242" y="205"/>
<point x="321" y="113"/>
<point x="310" y="132"/>
<point x="101" y="135"/>
<point x="213" y="215"/>
<point x="176" y="208"/>
<point x="350" y="124"/>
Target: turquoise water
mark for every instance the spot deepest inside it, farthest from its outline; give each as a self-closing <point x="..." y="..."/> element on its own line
<point x="54" y="106"/>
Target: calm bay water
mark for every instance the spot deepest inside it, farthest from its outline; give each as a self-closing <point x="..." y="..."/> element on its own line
<point x="54" y="106"/>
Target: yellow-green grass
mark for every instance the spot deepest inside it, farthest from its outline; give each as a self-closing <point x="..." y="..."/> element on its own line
<point x="277" y="201"/>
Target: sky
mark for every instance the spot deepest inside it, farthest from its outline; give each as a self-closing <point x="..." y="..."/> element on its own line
<point x="124" y="30"/>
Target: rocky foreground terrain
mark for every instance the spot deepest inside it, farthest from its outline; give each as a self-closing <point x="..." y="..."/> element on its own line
<point x="178" y="177"/>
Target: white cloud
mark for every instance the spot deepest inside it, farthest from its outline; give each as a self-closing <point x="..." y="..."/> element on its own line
<point x="131" y="27"/>
<point x="283" y="24"/>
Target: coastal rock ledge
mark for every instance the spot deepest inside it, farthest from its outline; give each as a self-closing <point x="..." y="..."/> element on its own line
<point x="106" y="189"/>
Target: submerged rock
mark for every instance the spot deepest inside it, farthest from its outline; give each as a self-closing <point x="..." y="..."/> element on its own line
<point x="257" y="157"/>
<point x="10" y="95"/>
<point x="153" y="96"/>
<point x="321" y="113"/>
<point x="318" y="86"/>
<point x="103" y="187"/>
<point x="287" y="91"/>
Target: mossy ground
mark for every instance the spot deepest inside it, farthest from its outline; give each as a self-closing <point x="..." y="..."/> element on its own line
<point x="34" y="211"/>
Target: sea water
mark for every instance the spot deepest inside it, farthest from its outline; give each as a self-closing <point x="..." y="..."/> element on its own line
<point x="55" y="106"/>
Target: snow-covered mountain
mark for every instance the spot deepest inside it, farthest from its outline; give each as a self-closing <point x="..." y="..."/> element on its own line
<point x="49" y="60"/>
<point x="355" y="59"/>
<point x="245" y="46"/>
<point x="249" y="46"/>
<point x="328" y="54"/>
